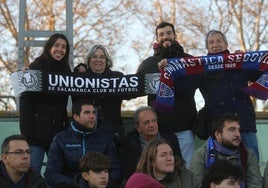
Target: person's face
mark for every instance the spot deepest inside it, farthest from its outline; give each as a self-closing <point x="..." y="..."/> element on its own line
<point x="164" y="160"/>
<point x="17" y="159"/>
<point x="165" y="36"/>
<point x="87" y="116"/>
<point x="230" y="136"/>
<point x="96" y="179"/>
<point x="82" y="69"/>
<point x="58" y="50"/>
<point x="148" y="127"/>
<point x="216" y="43"/>
<point x="226" y="183"/>
<point x="97" y="62"/>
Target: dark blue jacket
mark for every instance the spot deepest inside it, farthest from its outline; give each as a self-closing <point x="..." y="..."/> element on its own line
<point x="223" y="93"/>
<point x="70" y="145"/>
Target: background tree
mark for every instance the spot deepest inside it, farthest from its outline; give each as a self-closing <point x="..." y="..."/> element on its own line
<point x="127" y="28"/>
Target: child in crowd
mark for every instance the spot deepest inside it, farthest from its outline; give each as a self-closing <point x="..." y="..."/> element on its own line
<point x="94" y="171"/>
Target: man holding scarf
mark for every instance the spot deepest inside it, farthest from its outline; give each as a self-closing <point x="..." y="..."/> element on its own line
<point x="225" y="144"/>
<point x="182" y="119"/>
<point x="222" y="91"/>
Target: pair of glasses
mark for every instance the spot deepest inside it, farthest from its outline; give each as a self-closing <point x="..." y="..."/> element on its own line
<point x="20" y="152"/>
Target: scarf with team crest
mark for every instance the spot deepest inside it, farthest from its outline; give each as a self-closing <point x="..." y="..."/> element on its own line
<point x="178" y="67"/>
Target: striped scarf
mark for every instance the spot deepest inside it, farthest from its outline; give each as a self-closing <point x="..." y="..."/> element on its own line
<point x="178" y="67"/>
<point x="214" y="147"/>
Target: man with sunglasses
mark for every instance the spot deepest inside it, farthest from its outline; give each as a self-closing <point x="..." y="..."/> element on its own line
<point x="15" y="168"/>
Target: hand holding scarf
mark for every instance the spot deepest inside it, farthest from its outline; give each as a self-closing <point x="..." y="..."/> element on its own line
<point x="177" y="67"/>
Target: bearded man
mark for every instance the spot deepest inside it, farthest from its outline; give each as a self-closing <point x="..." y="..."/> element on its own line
<point x="179" y="122"/>
<point x="225" y="144"/>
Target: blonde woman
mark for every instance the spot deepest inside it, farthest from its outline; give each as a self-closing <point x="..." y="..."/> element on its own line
<point x="157" y="160"/>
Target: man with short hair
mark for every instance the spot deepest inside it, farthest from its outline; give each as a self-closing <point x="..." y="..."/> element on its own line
<point x="146" y="129"/>
<point x="223" y="93"/>
<point x="70" y="145"/>
<point x="225" y="143"/>
<point x="15" y="168"/>
<point x="181" y="121"/>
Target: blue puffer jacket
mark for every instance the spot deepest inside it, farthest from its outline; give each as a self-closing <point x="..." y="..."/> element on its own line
<point x="70" y="145"/>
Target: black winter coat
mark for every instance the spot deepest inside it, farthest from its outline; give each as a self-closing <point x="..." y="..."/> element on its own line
<point x="31" y="179"/>
<point x="109" y="107"/>
<point x="184" y="105"/>
<point x="42" y="115"/>
<point x="132" y="149"/>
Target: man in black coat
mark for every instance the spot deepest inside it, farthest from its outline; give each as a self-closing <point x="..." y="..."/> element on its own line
<point x="181" y="121"/>
<point x="146" y="129"/>
<point x="15" y="168"/>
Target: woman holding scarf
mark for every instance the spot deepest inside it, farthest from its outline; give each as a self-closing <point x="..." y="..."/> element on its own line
<point x="222" y="92"/>
<point x="42" y="115"/>
<point x="98" y="65"/>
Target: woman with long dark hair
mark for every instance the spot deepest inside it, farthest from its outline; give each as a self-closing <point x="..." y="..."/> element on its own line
<point x="42" y="115"/>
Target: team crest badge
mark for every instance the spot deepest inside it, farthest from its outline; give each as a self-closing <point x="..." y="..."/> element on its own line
<point x="152" y="83"/>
